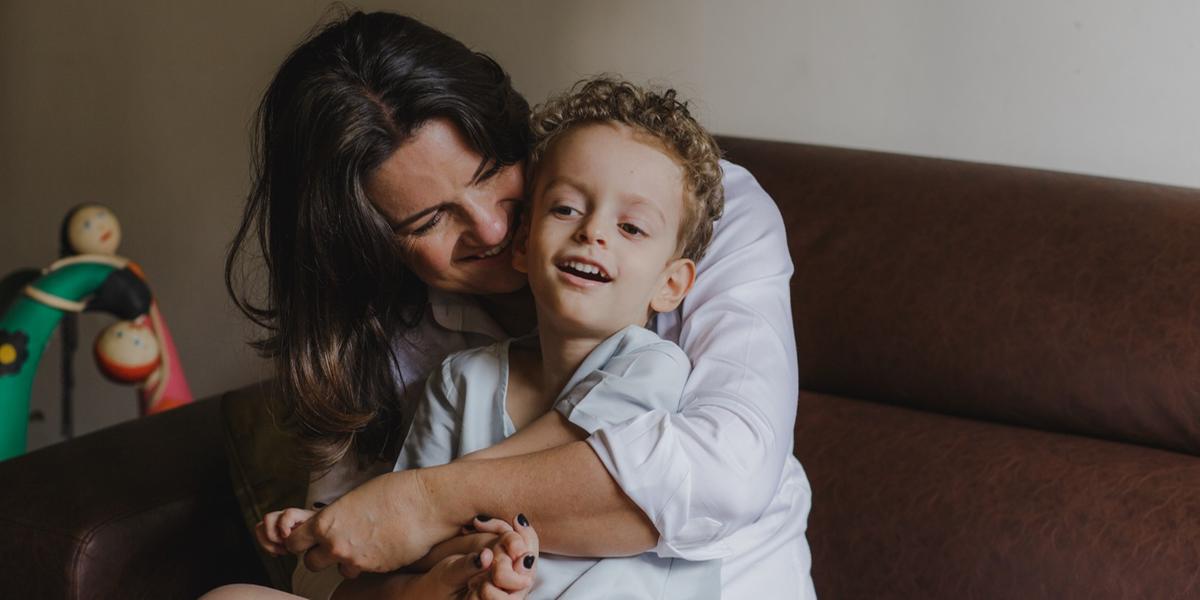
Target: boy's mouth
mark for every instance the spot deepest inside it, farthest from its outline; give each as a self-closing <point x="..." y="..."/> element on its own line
<point x="583" y="270"/>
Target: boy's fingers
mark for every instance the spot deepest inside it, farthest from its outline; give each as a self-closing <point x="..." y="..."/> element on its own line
<point x="268" y="524"/>
<point x="301" y="540"/>
<point x="490" y="592"/>
<point x="260" y="533"/>
<point x="455" y="572"/>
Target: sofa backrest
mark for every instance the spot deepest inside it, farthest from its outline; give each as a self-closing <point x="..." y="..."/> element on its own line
<point x="1060" y="302"/>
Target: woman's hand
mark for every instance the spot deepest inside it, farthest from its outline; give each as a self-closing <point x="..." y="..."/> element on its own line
<point x="380" y="526"/>
<point x="513" y="565"/>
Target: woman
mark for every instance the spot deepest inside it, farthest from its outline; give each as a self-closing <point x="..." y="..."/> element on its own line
<point x="387" y="188"/>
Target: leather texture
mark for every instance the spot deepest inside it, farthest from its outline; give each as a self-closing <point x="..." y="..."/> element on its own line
<point x="140" y="510"/>
<point x="911" y="504"/>
<point x="1054" y="301"/>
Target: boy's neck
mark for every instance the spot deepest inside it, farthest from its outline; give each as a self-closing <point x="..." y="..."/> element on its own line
<point x="561" y="356"/>
<point x="513" y="312"/>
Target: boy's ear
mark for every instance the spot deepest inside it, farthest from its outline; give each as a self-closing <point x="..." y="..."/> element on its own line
<point x="676" y="282"/>
<point x="520" y="253"/>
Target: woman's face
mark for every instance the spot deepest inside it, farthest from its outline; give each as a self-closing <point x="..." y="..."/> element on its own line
<point x="454" y="229"/>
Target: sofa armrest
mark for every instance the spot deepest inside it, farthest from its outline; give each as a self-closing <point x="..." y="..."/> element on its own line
<point x="142" y="509"/>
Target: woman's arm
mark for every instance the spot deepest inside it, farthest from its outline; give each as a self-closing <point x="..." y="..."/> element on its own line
<point x="396" y="518"/>
<point x="678" y="483"/>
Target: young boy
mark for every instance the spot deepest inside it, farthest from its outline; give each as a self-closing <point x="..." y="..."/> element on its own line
<point x="624" y="188"/>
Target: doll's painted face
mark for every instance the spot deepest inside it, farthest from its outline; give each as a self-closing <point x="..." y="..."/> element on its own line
<point x="93" y="229"/>
<point x="127" y="351"/>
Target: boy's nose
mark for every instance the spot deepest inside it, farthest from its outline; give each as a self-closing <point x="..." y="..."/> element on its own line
<point x="590" y="234"/>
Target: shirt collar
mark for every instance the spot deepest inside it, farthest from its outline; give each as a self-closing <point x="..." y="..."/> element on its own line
<point x="461" y="312"/>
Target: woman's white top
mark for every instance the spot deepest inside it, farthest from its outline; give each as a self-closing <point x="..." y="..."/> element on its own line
<point x="717" y="477"/>
<point x="633" y="372"/>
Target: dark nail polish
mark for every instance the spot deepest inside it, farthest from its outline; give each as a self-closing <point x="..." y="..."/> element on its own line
<point x="478" y="562"/>
<point x="469" y="527"/>
<point x="528" y="561"/>
<point x="522" y="521"/>
<point x="483" y="518"/>
<point x="319" y="505"/>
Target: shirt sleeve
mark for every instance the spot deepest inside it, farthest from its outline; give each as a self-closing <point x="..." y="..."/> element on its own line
<point x="432" y="438"/>
<point x="628" y="385"/>
<point x="711" y="468"/>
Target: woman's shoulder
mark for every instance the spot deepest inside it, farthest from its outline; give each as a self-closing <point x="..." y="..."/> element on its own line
<point x="746" y="202"/>
<point x="490" y="355"/>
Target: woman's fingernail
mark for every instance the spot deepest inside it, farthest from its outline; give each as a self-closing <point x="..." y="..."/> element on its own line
<point x="483" y="518"/>
<point x="528" y="562"/>
<point x="522" y="521"/>
<point x="478" y="562"/>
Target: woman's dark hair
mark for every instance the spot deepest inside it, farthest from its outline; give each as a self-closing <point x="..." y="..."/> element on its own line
<point x="337" y="293"/>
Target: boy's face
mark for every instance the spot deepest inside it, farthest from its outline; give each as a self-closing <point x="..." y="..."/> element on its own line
<point x="603" y="231"/>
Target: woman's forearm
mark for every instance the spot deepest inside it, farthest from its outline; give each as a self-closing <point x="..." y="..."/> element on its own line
<point x="565" y="492"/>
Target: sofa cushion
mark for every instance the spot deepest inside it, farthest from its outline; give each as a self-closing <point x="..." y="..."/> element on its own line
<point x="1050" y="300"/>
<point x="910" y="504"/>
<point x="139" y="510"/>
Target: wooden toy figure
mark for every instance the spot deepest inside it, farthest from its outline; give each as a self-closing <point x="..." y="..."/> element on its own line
<point x="94" y="229"/>
<point x="90" y="277"/>
<point x="127" y="351"/>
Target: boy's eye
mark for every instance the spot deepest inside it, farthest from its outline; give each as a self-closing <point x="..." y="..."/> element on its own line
<point x="631" y="229"/>
<point x="563" y="210"/>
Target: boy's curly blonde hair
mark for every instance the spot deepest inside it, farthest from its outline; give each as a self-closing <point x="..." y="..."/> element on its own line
<point x="606" y="99"/>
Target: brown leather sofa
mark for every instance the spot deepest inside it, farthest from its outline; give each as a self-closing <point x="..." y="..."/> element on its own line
<point x="1001" y="375"/>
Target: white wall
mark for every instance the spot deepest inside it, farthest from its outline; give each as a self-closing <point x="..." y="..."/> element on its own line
<point x="1106" y="87"/>
<point x="145" y="106"/>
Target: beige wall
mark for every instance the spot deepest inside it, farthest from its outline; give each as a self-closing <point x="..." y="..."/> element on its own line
<point x="145" y="106"/>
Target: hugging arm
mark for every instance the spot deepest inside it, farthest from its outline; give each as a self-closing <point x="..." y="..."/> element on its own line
<point x="695" y="475"/>
<point x="678" y="483"/>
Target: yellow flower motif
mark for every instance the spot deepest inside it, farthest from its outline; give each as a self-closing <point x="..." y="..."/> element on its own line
<point x="14" y="350"/>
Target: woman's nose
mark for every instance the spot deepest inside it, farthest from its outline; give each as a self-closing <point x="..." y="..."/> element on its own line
<point x="489" y="221"/>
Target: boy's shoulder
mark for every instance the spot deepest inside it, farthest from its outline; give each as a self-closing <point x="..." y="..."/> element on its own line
<point x="635" y="340"/>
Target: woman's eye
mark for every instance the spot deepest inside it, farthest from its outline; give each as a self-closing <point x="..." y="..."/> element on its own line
<point x="631" y="229"/>
<point x="430" y="224"/>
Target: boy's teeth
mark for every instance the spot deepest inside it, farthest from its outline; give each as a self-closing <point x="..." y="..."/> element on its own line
<point x="583" y="268"/>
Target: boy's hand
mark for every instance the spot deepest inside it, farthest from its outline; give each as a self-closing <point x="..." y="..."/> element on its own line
<point x="277" y="526"/>
<point x="513" y="565"/>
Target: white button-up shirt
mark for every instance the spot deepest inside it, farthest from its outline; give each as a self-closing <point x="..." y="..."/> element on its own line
<point x="717" y="478"/>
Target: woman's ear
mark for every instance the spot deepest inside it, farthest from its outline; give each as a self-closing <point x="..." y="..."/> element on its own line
<point x="676" y="282"/>
<point x="520" y="252"/>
